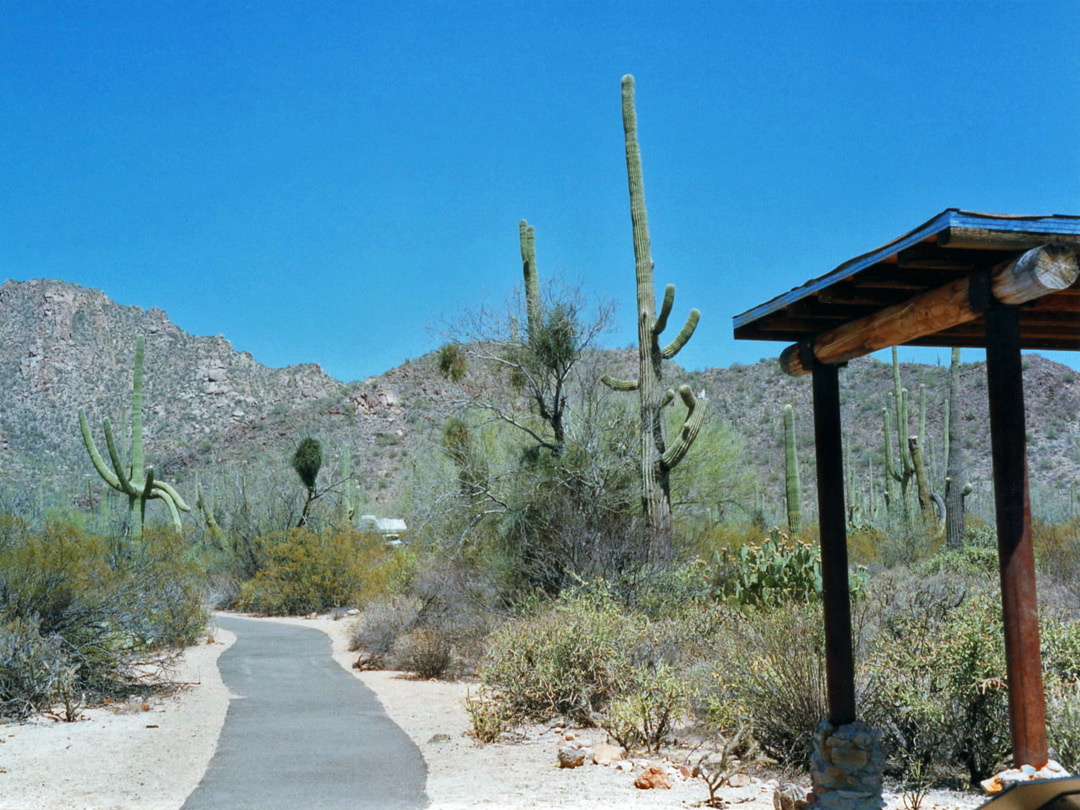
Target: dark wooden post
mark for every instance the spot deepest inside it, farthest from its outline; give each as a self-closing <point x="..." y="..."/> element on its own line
<point x="832" y="519"/>
<point x="1027" y="706"/>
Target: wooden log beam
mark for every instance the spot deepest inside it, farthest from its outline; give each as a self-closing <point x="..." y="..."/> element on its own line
<point x="1020" y="603"/>
<point x="832" y="528"/>
<point x="1038" y="272"/>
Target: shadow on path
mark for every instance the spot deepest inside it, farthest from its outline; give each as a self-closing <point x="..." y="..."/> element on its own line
<point x="302" y="732"/>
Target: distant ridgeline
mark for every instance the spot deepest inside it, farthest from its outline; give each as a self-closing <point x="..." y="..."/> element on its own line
<point x="213" y="412"/>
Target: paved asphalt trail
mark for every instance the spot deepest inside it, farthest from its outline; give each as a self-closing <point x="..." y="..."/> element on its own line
<point x="303" y="733"/>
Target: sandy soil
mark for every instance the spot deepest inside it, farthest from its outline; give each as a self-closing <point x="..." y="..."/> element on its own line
<point x="151" y="760"/>
<point x="140" y="755"/>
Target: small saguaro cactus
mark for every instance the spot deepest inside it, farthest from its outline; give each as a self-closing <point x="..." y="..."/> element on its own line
<point x="130" y="477"/>
<point x="656" y="458"/>
<point x="793" y="487"/>
<point x="346" y="500"/>
<point x="527" y="236"/>
<point x="554" y="339"/>
<point x="204" y="505"/>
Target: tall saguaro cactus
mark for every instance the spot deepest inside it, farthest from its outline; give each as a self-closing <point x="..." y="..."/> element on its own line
<point x="533" y="305"/>
<point x="793" y="487"/>
<point x="657" y="459"/>
<point x="956" y="489"/>
<point x="131" y="477"/>
<point x="903" y="470"/>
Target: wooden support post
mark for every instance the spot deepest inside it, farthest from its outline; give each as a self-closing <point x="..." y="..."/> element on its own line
<point x="1039" y="272"/>
<point x="832" y="520"/>
<point x="1020" y="609"/>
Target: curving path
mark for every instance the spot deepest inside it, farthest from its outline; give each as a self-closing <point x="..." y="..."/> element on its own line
<point x="302" y="732"/>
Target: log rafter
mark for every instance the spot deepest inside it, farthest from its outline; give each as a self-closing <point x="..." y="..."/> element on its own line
<point x="1037" y="272"/>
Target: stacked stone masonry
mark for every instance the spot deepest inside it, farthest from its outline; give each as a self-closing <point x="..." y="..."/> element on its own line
<point x="846" y="767"/>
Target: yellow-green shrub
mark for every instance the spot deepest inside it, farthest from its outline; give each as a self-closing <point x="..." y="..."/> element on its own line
<point x="305" y="571"/>
<point x="76" y="611"/>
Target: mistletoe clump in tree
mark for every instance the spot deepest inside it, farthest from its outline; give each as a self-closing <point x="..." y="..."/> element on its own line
<point x="307" y="461"/>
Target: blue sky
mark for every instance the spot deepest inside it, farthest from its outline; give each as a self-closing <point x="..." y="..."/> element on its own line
<point x="323" y="182"/>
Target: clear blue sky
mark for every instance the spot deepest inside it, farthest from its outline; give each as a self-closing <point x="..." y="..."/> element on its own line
<point x="322" y="182"/>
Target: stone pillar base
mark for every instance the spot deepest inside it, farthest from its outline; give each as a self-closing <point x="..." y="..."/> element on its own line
<point x="846" y="767"/>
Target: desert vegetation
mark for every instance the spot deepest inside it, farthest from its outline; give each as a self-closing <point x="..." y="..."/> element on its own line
<point x="630" y="565"/>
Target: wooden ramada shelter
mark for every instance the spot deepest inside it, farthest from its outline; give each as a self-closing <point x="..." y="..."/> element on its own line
<point x="1003" y="283"/>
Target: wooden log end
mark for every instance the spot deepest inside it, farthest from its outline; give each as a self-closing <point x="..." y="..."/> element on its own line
<point x="791" y="361"/>
<point x="1036" y="273"/>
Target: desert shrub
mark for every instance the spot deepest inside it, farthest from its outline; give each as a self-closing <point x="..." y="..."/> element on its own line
<point x="865" y="544"/>
<point x="382" y="621"/>
<point x="173" y="590"/>
<point x="727" y="535"/>
<point x="585" y="657"/>
<point x="490" y="717"/>
<point x="78" y="612"/>
<point x="305" y="571"/>
<point x="35" y="672"/>
<point x="970" y="563"/>
<point x="428" y="653"/>
<point x="569" y="659"/>
<point x="570" y="518"/>
<point x="1063" y="724"/>
<point x="667" y="590"/>
<point x="644" y="714"/>
<point x="459" y="606"/>
<point x="452" y="361"/>
<point x="938" y="671"/>
<point x="775" y="680"/>
<point x="441" y="610"/>
<point x="1057" y="551"/>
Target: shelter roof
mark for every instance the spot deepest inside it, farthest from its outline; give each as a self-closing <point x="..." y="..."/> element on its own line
<point x="951" y="245"/>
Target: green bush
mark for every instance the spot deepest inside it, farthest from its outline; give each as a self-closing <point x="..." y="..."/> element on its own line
<point x="646" y="711"/>
<point x="774" y="680"/>
<point x="304" y="571"/>
<point x="452" y="361"/>
<point x="938" y="672"/>
<point x="1063" y="724"/>
<point x="77" y="612"/>
<point x="569" y="660"/>
<point x="584" y="657"/>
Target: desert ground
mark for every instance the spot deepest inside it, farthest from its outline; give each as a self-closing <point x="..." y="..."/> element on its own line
<point x="149" y="755"/>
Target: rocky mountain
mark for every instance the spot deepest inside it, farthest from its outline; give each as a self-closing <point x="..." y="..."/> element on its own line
<point x="208" y="406"/>
<point x="63" y="347"/>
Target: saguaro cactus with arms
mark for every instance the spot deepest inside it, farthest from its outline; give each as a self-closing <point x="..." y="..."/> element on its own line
<point x="657" y="459"/>
<point x="132" y="479"/>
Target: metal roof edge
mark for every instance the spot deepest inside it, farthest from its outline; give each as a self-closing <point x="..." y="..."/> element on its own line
<point x="950" y="217"/>
<point x="932" y="226"/>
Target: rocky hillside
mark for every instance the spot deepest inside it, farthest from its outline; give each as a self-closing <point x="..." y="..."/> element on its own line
<point x="752" y="399"/>
<point x="209" y="407"/>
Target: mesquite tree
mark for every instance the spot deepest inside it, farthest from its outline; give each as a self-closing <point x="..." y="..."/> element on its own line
<point x="657" y="458"/>
<point x="538" y="362"/>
